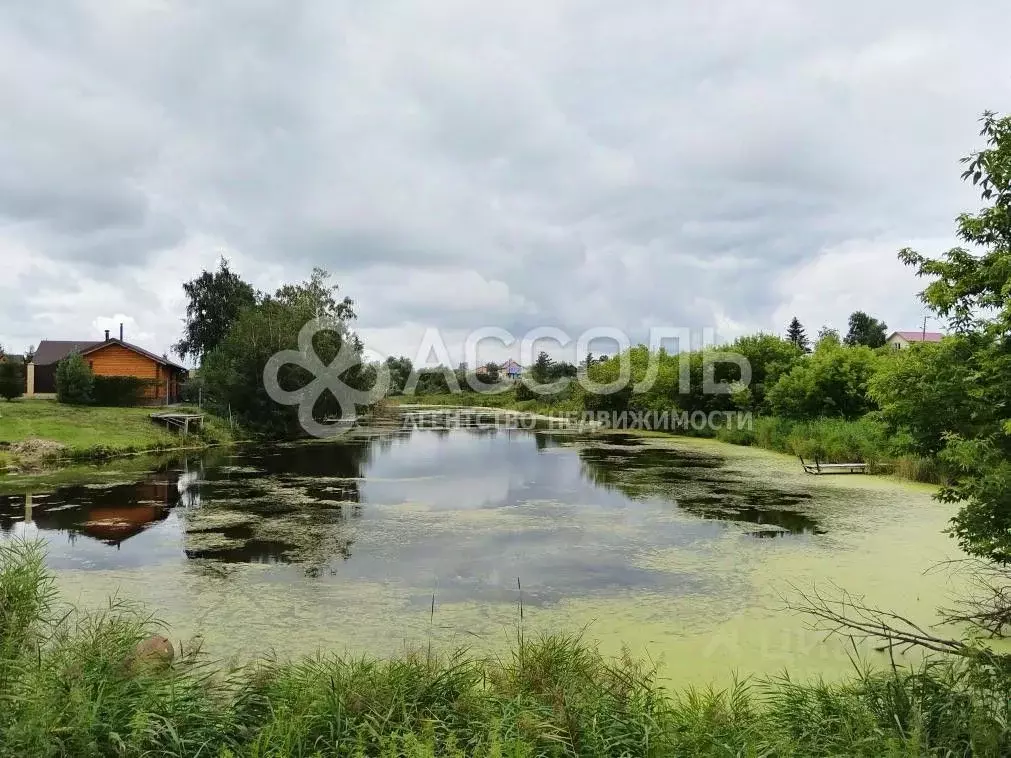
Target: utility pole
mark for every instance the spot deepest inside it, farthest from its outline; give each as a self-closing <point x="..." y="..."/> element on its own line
<point x="924" y="328"/>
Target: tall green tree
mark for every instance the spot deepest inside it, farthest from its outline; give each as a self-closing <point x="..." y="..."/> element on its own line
<point x="541" y="371"/>
<point x="865" y="330"/>
<point x="833" y="382"/>
<point x="563" y="370"/>
<point x="970" y="287"/>
<point x="795" y="334"/>
<point x="926" y="392"/>
<point x="216" y="298"/>
<point x="770" y="357"/>
<point x="316" y="297"/>
<point x="233" y="370"/>
<point x="828" y="334"/>
<point x="400" y="370"/>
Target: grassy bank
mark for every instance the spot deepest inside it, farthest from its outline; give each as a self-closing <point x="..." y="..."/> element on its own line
<point x="71" y="685"/>
<point x="45" y="431"/>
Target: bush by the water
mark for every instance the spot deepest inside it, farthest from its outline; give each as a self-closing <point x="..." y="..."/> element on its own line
<point x="70" y="686"/>
<point x="824" y="439"/>
<point x="192" y="390"/>
<point x="74" y="380"/>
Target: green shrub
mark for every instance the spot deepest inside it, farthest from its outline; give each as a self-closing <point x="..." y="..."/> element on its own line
<point x="827" y="439"/>
<point x="12" y="379"/>
<point x="523" y="392"/>
<point x="119" y="390"/>
<point x="191" y="390"/>
<point x="831" y="382"/>
<point x="74" y="380"/>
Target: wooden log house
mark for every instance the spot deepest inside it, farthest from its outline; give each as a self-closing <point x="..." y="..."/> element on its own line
<point x="109" y="357"/>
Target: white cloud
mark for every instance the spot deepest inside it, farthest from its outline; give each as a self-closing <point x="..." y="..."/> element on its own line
<point x="550" y="162"/>
<point x="855" y="276"/>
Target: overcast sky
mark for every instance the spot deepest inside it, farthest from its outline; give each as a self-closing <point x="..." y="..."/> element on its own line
<point x="458" y="164"/>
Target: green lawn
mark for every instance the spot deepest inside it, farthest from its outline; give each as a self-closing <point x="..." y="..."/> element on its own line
<point x="87" y="431"/>
<point x="80" y="427"/>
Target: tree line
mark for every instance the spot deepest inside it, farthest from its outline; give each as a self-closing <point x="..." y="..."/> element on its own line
<point x="863" y="330"/>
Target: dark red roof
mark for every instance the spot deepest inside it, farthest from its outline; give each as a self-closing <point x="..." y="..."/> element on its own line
<point x="53" y="351"/>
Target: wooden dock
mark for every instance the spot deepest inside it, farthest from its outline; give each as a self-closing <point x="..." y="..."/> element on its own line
<point x="833" y="468"/>
<point x="180" y="422"/>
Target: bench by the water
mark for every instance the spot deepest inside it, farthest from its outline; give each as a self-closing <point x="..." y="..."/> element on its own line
<point x="833" y="468"/>
<point x="179" y="421"/>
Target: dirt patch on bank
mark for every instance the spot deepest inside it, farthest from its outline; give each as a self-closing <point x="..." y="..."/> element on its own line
<point x="32" y="453"/>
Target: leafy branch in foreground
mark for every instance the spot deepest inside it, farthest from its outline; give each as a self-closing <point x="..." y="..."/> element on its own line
<point x="971" y="288"/>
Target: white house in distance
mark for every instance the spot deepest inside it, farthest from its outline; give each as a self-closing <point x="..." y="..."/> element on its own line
<point x="902" y="340"/>
<point x="512" y="369"/>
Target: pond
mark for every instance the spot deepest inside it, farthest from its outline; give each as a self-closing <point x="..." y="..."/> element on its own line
<point x="424" y="533"/>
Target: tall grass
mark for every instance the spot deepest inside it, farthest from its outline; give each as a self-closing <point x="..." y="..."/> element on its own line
<point x="826" y="439"/>
<point x="831" y="440"/>
<point x="27" y="592"/>
<point x="70" y="691"/>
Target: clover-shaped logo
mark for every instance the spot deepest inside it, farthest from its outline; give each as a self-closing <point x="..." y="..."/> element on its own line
<point x="324" y="378"/>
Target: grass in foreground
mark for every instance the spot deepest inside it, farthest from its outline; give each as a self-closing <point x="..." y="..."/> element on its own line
<point x="67" y="689"/>
<point x="92" y="432"/>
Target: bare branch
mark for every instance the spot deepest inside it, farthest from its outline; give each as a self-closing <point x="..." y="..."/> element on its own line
<point x="852" y="616"/>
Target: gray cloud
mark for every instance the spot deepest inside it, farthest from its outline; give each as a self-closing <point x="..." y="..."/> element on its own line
<point x="455" y="165"/>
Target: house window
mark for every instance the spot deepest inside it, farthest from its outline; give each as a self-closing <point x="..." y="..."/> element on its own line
<point x="91" y="364"/>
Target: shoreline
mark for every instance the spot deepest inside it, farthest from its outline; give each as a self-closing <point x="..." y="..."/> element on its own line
<point x="900" y="468"/>
<point x="43" y="436"/>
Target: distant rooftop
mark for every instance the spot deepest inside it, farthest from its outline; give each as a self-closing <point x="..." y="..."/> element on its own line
<point x="919" y="336"/>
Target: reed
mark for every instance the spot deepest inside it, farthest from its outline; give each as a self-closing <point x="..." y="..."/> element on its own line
<point x="68" y="692"/>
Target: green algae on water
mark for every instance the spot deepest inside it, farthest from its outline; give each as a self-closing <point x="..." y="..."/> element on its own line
<point x="686" y="550"/>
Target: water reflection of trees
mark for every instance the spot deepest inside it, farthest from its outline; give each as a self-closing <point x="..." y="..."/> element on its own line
<point x="545" y="440"/>
<point x="289" y="503"/>
<point x="698" y="484"/>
